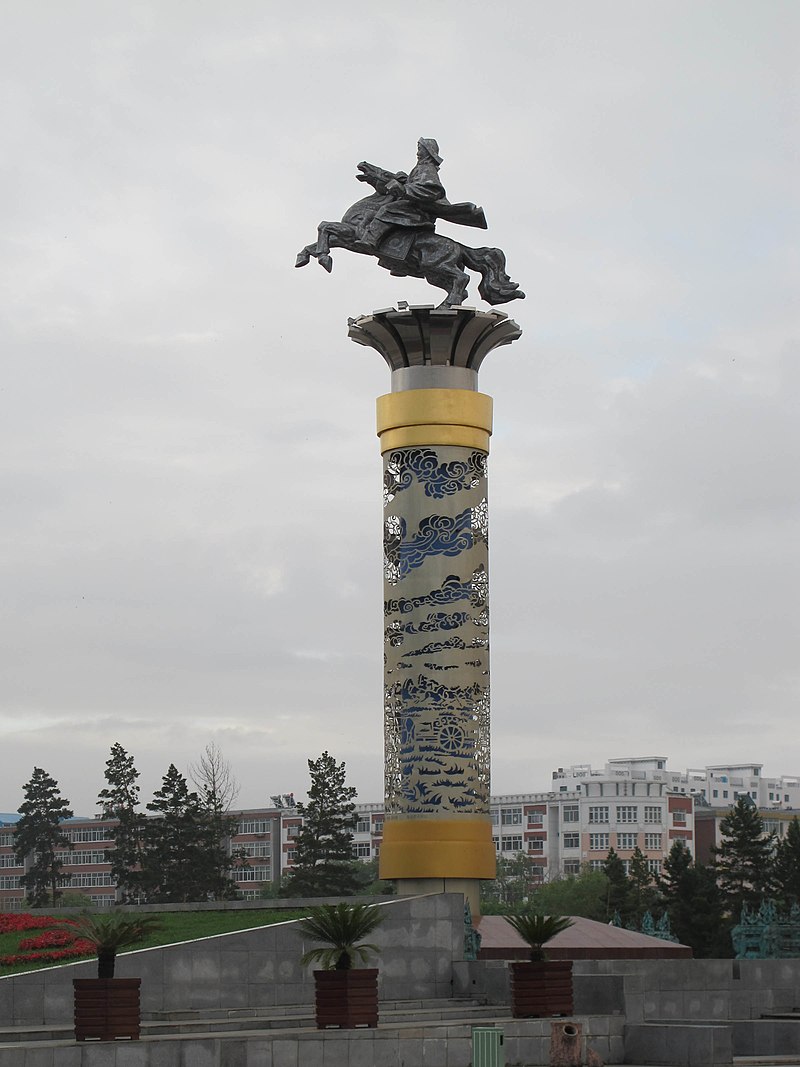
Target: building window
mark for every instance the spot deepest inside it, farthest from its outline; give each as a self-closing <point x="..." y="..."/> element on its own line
<point x="76" y="859"/>
<point x="652" y="813"/>
<point x="598" y="842"/>
<point x="9" y="881"/>
<point x="496" y="842"/>
<point x="253" y="874"/>
<point x="511" y="816"/>
<point x="291" y="855"/>
<point x="254" y="848"/>
<point x="627" y="813"/>
<point x="598" y="814"/>
<point x="536" y="844"/>
<point x="596" y="865"/>
<point x="512" y="843"/>
<point x="362" y="850"/>
<point x="627" y="842"/>
<point x="572" y="867"/>
<point x="253" y="826"/>
<point x="652" y="842"/>
<point x="571" y="813"/>
<point x="6" y="840"/>
<point x="377" y="827"/>
<point x="362" y="826"/>
<point x="535" y="818"/>
<point x="87" y="878"/>
<point x="495" y="818"/>
<point x="679" y="818"/>
<point x="654" y="866"/>
<point x="103" y="834"/>
<point x="724" y="794"/>
<point x="571" y="841"/>
<point x="10" y="860"/>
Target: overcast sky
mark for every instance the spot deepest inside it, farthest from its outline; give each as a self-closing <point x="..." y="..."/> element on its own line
<point x="190" y="482"/>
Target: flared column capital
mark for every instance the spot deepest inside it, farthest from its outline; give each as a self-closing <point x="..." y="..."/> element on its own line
<point x="428" y="337"/>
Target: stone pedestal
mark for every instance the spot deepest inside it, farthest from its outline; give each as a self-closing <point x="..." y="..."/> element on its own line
<point x="434" y="429"/>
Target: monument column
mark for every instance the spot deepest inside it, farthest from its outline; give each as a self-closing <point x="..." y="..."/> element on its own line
<point x="434" y="429"/>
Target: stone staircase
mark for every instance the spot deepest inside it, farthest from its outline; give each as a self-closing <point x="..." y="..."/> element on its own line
<point x="293" y="1017"/>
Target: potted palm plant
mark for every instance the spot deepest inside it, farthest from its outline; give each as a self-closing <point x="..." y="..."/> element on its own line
<point x="345" y="996"/>
<point x="540" y="986"/>
<point x="107" y="1008"/>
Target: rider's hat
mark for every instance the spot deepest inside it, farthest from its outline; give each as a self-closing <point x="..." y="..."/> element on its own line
<point x="431" y="147"/>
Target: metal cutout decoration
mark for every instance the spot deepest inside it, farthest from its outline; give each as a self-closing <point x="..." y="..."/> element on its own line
<point x="436" y="697"/>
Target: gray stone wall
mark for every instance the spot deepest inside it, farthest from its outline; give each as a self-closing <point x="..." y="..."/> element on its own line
<point x="419" y="941"/>
<point x="700" y="990"/>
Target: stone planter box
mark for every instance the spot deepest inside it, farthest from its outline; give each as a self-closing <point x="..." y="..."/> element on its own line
<point x="106" y="1008"/>
<point x="541" y="988"/>
<point x="346" y="998"/>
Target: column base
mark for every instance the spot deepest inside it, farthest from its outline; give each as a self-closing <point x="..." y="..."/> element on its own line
<point x="470" y="887"/>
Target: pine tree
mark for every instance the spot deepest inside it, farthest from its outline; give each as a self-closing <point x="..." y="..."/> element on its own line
<point x="179" y="845"/>
<point x="120" y="801"/>
<point x="642" y="889"/>
<point x="39" y="835"/>
<point x="324" y="864"/>
<point x="786" y="865"/>
<point x="744" y="859"/>
<point x="692" y="899"/>
<point x="618" y="895"/>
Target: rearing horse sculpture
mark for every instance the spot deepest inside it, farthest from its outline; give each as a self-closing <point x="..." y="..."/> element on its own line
<point x="397" y="225"/>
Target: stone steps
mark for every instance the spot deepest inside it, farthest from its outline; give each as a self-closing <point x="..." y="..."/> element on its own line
<point x="231" y="1021"/>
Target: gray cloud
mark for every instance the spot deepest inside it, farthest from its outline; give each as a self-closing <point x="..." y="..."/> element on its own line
<point x="189" y="476"/>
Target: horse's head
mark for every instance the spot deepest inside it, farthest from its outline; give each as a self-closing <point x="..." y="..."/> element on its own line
<point x="377" y="177"/>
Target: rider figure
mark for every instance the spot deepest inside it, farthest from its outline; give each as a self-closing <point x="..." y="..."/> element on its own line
<point x="412" y="198"/>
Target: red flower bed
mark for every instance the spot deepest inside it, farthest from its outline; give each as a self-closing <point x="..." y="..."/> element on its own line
<point x="49" y="939"/>
<point x="80" y="948"/>
<point x="52" y="945"/>
<point x="22" y="920"/>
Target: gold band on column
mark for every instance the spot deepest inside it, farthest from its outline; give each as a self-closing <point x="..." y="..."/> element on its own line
<point x="434" y="417"/>
<point x="437" y="848"/>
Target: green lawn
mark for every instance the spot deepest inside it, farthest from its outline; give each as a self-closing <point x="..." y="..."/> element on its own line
<point x="176" y="926"/>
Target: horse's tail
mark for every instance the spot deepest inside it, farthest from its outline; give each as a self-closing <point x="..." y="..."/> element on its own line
<point x="496" y="287"/>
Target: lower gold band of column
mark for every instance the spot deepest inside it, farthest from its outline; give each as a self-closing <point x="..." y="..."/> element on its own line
<point x="437" y="848"/>
<point x="412" y="436"/>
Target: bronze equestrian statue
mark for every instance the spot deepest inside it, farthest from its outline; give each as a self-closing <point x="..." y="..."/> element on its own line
<point x="397" y="224"/>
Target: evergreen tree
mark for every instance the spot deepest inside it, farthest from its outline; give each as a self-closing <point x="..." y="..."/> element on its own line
<point x="786" y="865"/>
<point x="179" y="858"/>
<point x="324" y="864"/>
<point x="692" y="899"/>
<point x="642" y="886"/>
<point x="618" y="892"/>
<point x="39" y="835"/>
<point x="120" y="801"/>
<point x="744" y="859"/>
